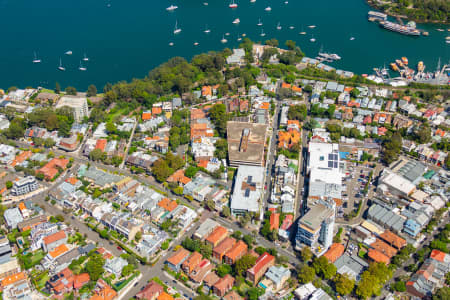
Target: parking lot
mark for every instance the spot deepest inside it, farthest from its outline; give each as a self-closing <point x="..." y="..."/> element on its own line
<point x="354" y="182"/>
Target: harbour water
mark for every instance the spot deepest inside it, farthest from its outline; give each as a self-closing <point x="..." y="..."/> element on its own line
<point x="126" y="39"/>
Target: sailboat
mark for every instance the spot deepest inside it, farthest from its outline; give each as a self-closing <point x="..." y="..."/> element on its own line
<point x="85" y="58"/>
<point x="239" y="38"/>
<point x="236" y="21"/>
<point x="303" y="32"/>
<point x="81" y="68"/>
<point x="352" y="38"/>
<point x="312" y="26"/>
<point x="268" y="8"/>
<point x="312" y="39"/>
<point x="262" y="33"/>
<point x="68" y="52"/>
<point x="223" y="40"/>
<point x="278" y="26"/>
<point x="232" y="4"/>
<point x="259" y="22"/>
<point x="61" y="68"/>
<point x="176" y="30"/>
<point x="36" y="60"/>
<point x="206" y="30"/>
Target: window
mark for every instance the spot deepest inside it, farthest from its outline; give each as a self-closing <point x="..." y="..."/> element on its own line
<point x="322" y="158"/>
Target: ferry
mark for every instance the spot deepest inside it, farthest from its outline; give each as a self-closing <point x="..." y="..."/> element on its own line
<point x="172" y="8"/>
<point x="407" y="30"/>
<point x="236" y="21"/>
<point x="394" y="67"/>
<point x="404" y="60"/>
<point x="232" y="4"/>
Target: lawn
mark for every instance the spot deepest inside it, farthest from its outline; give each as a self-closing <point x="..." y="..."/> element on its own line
<point x="30" y="260"/>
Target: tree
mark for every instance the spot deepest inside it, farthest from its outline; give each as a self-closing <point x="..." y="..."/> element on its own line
<point x="49" y="142"/>
<point x="324" y="268"/>
<point x="16" y="129"/>
<point x="306" y="254"/>
<point x="442" y="293"/>
<point x="96" y="154"/>
<point x="290" y="44"/>
<point x="190" y="171"/>
<point x="306" y="274"/>
<point x="245" y="219"/>
<point x="110" y="127"/>
<point x="297" y="112"/>
<point x="94" y="267"/>
<point x="244" y="263"/>
<point x="226" y="211"/>
<point x="248" y="239"/>
<point x="92" y="91"/>
<point x="161" y="170"/>
<point x="104" y="234"/>
<point x="9" y="184"/>
<point x="57" y="88"/>
<point x="272" y="42"/>
<point x="70" y="90"/>
<point x="127" y="270"/>
<point x="210" y="204"/>
<point x="221" y="151"/>
<point x="344" y="284"/>
<point x="138" y="236"/>
<point x="399" y="286"/>
<point x="422" y="134"/>
<point x="254" y="293"/>
<point x="219" y="117"/>
<point x="223" y="270"/>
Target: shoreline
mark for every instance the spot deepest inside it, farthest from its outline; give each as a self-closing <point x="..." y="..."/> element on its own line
<point x="389" y="13"/>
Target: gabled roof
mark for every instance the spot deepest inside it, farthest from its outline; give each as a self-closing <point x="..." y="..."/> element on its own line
<point x="335" y="251"/>
<point x="178" y="256"/>
<point x="54" y="237"/>
<point x="377" y="256"/>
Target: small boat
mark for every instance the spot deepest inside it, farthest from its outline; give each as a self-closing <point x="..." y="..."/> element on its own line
<point x="394" y="67"/>
<point x="172" y="8"/>
<point x="85" y="58"/>
<point x="170" y="44"/>
<point x="252" y="1"/>
<point x="286" y="2"/>
<point x="268" y="8"/>
<point x="239" y="38"/>
<point x="404" y="60"/>
<point x="176" y="30"/>
<point x="68" y="52"/>
<point x="205" y="3"/>
<point x="440" y="29"/>
<point x="236" y="21"/>
<point x="312" y="39"/>
<point x="399" y="63"/>
<point x="36" y="60"/>
<point x="195" y="44"/>
<point x="207" y="30"/>
<point x="244" y="35"/>
<point x="61" y="68"/>
<point x="81" y="68"/>
<point x="447" y="38"/>
<point x="262" y="33"/>
<point x="312" y="26"/>
<point x="223" y="40"/>
<point x="291" y="27"/>
<point x="108" y="5"/>
<point x="302" y="32"/>
<point x="278" y="26"/>
<point x="352" y="38"/>
<point x="448" y="41"/>
<point x="232" y="4"/>
<point x="259" y="22"/>
<point x="227" y="33"/>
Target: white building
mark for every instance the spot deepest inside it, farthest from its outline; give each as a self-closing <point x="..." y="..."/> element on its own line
<point x="24" y="186"/>
<point x="78" y="104"/>
<point x="247" y="190"/>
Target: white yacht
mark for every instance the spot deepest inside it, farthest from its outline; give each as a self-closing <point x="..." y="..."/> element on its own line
<point x="85" y="58"/>
<point x="262" y="33"/>
<point x="68" y="52"/>
<point x="312" y="39"/>
<point x="223" y="40"/>
<point x="279" y="26"/>
<point x="259" y="22"/>
<point x="236" y="21"/>
<point x="268" y="8"/>
<point x="172" y="8"/>
<point x="81" y="68"/>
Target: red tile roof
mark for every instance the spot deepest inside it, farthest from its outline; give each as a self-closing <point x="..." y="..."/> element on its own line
<point x="218" y="234"/>
<point x="377" y="256"/>
<point x="438" y="255"/>
<point x="80" y="280"/>
<point x="274" y="221"/>
<point x="262" y="261"/>
<point x="393" y="239"/>
<point x="178" y="256"/>
<point x="54" y="237"/>
<point x="335" y="251"/>
<point x="101" y="144"/>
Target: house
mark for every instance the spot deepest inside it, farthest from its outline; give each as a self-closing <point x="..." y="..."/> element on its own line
<point x="168" y="205"/>
<point x="263" y="263"/>
<point x="51" y="169"/>
<point x="103" y="291"/>
<point x="176" y="260"/>
<point x="115" y="266"/>
<point x="222" y="248"/>
<point x="61" y="283"/>
<point x="233" y="295"/>
<point x="221" y="287"/>
<point x="393" y="240"/>
<point x="334" y="252"/>
<point x="352" y="265"/>
<point x="179" y="177"/>
<point x="217" y="235"/>
<point x="150" y="292"/>
<point x="278" y="275"/>
<point x="80" y="280"/>
<point x="209" y="281"/>
<point x="377" y="256"/>
<point x="274" y="221"/>
<point x="235" y="253"/>
<point x="201" y="271"/>
<point x="12" y="217"/>
<point x="192" y="262"/>
<point x="205" y="229"/>
<point x="52" y="241"/>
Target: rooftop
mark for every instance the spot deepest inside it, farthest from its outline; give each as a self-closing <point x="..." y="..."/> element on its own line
<point x="246" y="142"/>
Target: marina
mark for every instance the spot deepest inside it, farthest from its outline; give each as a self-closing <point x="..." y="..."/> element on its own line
<point x="124" y="41"/>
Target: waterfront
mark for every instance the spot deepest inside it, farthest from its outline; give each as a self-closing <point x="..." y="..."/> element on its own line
<point x="128" y="39"/>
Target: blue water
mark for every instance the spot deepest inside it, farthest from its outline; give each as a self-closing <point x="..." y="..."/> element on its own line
<point x="129" y="38"/>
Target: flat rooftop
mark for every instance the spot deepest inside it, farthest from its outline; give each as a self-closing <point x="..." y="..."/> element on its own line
<point x="246" y="143"/>
<point x="313" y="219"/>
